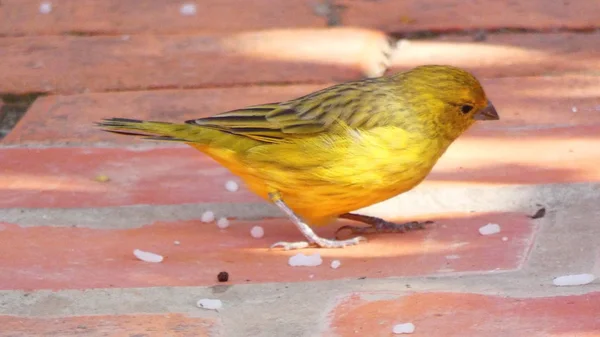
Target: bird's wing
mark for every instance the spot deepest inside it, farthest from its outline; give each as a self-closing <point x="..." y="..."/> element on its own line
<point x="355" y="105"/>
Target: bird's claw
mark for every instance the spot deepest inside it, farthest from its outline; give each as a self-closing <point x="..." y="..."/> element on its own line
<point x="384" y="227"/>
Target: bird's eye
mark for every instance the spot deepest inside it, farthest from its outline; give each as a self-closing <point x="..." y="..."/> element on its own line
<point x="466" y="108"/>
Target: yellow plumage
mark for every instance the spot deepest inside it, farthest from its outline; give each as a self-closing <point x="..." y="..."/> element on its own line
<point x="339" y="149"/>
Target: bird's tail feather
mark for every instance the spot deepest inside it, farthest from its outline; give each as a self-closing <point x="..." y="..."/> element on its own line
<point x="153" y="130"/>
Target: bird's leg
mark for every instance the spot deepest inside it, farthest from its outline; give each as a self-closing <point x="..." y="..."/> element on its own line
<point x="378" y="225"/>
<point x="308" y="233"/>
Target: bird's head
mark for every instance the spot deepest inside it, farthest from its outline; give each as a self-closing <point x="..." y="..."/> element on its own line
<point x="450" y="98"/>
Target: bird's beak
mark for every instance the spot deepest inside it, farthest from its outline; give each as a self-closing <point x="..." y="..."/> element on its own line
<point x="487" y="114"/>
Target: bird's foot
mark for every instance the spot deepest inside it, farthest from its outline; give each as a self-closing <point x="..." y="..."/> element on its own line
<point x="319" y="242"/>
<point x="378" y="225"/>
<point x="312" y="238"/>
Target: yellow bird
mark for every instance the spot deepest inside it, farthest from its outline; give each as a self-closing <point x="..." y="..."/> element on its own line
<point x="351" y="145"/>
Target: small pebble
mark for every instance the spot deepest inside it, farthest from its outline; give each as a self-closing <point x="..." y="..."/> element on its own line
<point x="209" y="304"/>
<point x="176" y="243"/>
<point x="222" y="223"/>
<point x="403" y="328"/>
<point x="207" y="217"/>
<point x="223" y="276"/>
<point x="231" y="186"/>
<point x="257" y="232"/>
<point x="335" y="264"/>
<point x="574" y="109"/>
<point x="45" y="7"/>
<point x="147" y="256"/>
<point x="187" y="9"/>
<point x="539" y="214"/>
<point x="504" y="238"/>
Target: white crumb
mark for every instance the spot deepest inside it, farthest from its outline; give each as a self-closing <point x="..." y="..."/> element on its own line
<point x="176" y="243"/>
<point x="188" y="9"/>
<point x="231" y="186"/>
<point x="574" y="109"/>
<point x="207" y="217"/>
<point x="311" y="276"/>
<point x="505" y="238"/>
<point x="222" y="223"/>
<point x="335" y="264"/>
<point x="403" y="328"/>
<point x="573" y="280"/>
<point x="452" y="257"/>
<point x="147" y="256"/>
<point x="209" y="304"/>
<point x="45" y="7"/>
<point x="257" y="232"/>
<point x="301" y="260"/>
<point x="489" y="229"/>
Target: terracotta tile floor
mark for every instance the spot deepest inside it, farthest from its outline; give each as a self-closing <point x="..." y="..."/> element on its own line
<point x="66" y="238"/>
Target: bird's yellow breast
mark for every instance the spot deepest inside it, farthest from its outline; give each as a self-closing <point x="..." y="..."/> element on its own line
<point x="323" y="176"/>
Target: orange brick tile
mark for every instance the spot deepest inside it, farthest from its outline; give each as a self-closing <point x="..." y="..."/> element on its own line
<point x="467" y="315"/>
<point x="70" y="118"/>
<point x="412" y="15"/>
<point x="92" y="258"/>
<point x="505" y="55"/>
<point x="526" y="102"/>
<point x="75" y="64"/>
<point x="173" y="325"/>
<point x="66" y="177"/>
<point x="521" y="156"/>
<point x="22" y="17"/>
<point x="162" y="16"/>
